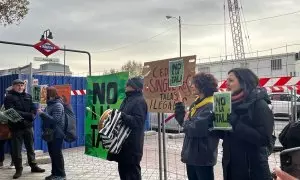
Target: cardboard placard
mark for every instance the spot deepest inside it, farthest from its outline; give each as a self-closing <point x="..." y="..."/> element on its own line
<point x="222" y="110"/>
<point x="64" y="91"/>
<point x="159" y="95"/>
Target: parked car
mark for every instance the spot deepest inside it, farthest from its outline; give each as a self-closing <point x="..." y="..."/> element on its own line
<point x="282" y="105"/>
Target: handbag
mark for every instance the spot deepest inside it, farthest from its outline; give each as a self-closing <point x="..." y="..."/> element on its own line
<point x="4" y="132"/>
<point x="48" y="134"/>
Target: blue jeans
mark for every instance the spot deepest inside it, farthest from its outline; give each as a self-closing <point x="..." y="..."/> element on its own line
<point x="200" y="172"/>
<point x="57" y="159"/>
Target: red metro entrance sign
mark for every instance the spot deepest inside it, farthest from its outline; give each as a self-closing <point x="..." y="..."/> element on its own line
<point x="46" y="47"/>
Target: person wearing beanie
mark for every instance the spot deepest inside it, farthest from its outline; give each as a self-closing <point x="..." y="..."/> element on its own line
<point x="22" y="131"/>
<point x="134" y="112"/>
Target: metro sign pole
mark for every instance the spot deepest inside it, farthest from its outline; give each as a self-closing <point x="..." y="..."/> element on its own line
<point x="50" y="50"/>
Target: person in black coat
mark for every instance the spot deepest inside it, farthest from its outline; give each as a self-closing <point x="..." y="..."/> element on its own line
<point x="21" y="131"/>
<point x="134" y="111"/>
<point x="200" y="146"/>
<point x="245" y="149"/>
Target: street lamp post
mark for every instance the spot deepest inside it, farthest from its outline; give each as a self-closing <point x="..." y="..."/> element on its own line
<point x="179" y="22"/>
<point x="47" y="34"/>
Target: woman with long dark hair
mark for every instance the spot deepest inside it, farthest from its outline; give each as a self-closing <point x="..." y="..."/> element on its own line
<point x="245" y="154"/>
<point x="200" y="147"/>
<point x="53" y="133"/>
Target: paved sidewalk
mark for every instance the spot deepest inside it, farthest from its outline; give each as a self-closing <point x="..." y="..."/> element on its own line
<point x="80" y="166"/>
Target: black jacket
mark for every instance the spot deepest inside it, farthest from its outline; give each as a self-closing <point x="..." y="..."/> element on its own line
<point x="200" y="146"/>
<point x="134" y="111"/>
<point x="22" y="103"/>
<point x="245" y="149"/>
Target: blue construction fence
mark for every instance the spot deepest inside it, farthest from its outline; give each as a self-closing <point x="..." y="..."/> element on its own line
<point x="78" y="103"/>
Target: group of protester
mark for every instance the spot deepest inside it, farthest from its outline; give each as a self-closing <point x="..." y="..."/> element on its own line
<point x="22" y="131"/>
<point x="245" y="148"/>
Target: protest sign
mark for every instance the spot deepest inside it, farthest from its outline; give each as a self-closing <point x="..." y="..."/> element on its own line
<point x="12" y="115"/>
<point x="103" y="92"/>
<point x="64" y="91"/>
<point x="159" y="94"/>
<point x="43" y="100"/>
<point x="222" y="110"/>
<point x="36" y="94"/>
<point x="176" y="73"/>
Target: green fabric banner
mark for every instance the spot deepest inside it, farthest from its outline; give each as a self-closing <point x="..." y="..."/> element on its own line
<point x="103" y="92"/>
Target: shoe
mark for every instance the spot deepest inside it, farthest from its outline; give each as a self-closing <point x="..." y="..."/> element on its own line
<point x="1" y="165"/>
<point x="18" y="173"/>
<point x="49" y="177"/>
<point x="11" y="166"/>
<point x="36" y="169"/>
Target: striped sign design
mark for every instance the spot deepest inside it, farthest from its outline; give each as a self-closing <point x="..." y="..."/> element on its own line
<point x="114" y="133"/>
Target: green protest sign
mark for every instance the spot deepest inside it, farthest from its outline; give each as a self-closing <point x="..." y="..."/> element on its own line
<point x="36" y="94"/>
<point x="103" y="92"/>
<point x="222" y="110"/>
<point x="176" y="72"/>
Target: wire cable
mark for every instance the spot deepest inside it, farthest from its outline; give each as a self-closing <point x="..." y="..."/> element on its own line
<point x="253" y="20"/>
<point x="134" y="43"/>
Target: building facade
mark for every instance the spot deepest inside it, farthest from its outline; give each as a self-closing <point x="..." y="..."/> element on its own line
<point x="278" y="65"/>
<point x="52" y="69"/>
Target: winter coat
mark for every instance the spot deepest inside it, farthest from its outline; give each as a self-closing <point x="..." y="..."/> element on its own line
<point x="200" y="146"/>
<point x="22" y="103"/>
<point x="54" y="117"/>
<point x="134" y="112"/>
<point x="245" y="154"/>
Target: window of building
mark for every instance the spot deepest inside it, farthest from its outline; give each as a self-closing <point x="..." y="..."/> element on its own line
<point x="276" y="64"/>
<point x="244" y="65"/>
<point x="204" y="69"/>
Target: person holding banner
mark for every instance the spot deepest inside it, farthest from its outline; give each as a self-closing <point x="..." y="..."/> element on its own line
<point x="200" y="146"/>
<point x="245" y="148"/>
<point x="21" y="131"/>
<point x="133" y="114"/>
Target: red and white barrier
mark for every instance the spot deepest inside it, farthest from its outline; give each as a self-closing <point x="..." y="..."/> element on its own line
<point x="280" y="84"/>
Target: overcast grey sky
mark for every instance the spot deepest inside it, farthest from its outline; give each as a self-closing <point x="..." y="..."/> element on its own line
<point x="100" y="25"/>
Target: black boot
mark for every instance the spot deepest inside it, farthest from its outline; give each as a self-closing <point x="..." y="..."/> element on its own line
<point x="18" y="173"/>
<point x="36" y="169"/>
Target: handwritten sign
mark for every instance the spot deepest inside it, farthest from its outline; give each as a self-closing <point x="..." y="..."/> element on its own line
<point x="222" y="110"/>
<point x="176" y="73"/>
<point x="64" y="91"/>
<point x="160" y="96"/>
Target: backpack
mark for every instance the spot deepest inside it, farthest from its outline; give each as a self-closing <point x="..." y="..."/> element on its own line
<point x="289" y="137"/>
<point x="70" y="124"/>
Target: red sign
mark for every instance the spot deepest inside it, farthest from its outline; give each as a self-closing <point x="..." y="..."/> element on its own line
<point x="46" y="47"/>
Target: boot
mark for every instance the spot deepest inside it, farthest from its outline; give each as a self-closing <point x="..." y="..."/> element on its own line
<point x="18" y="173"/>
<point x="49" y="177"/>
<point x="36" y="169"/>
